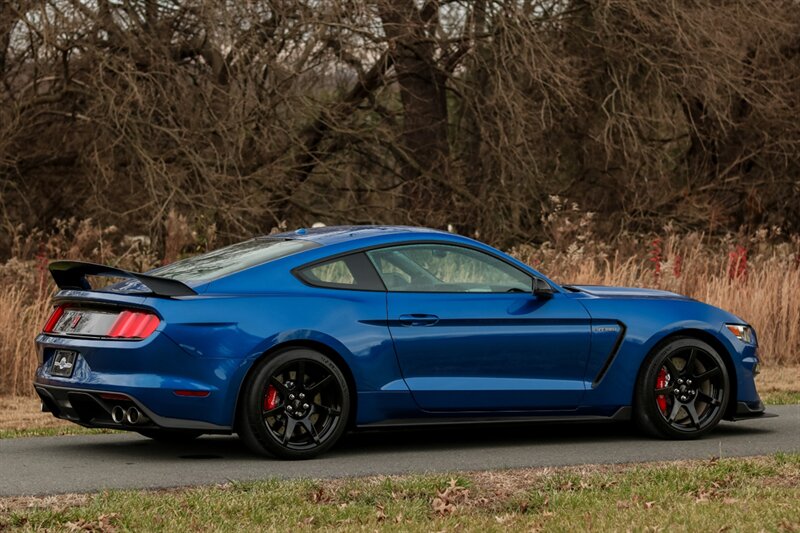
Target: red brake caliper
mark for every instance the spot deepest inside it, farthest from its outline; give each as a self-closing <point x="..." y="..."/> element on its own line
<point x="270" y="398"/>
<point x="661" y="382"/>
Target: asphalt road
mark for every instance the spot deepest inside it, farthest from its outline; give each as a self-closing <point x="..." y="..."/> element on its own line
<point x="49" y="465"/>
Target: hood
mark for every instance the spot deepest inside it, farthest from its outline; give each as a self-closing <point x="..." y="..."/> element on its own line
<point x="602" y="291"/>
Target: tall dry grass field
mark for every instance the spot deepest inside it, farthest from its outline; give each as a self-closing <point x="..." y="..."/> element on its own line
<point x="21" y="318"/>
<point x="757" y="280"/>
<point x="760" y="282"/>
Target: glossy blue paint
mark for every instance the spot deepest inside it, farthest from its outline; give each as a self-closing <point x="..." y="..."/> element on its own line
<point x="505" y="352"/>
<point x="411" y="356"/>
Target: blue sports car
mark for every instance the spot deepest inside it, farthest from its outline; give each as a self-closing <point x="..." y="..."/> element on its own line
<point x="289" y="340"/>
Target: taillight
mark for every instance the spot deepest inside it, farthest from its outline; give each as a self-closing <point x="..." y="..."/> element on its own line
<point x="53" y="320"/>
<point x="76" y="321"/>
<point x="133" y="325"/>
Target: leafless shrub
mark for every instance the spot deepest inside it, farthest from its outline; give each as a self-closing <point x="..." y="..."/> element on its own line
<point x="254" y="115"/>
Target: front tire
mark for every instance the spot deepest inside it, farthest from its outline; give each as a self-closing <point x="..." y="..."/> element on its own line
<point x="295" y="405"/>
<point x="682" y="390"/>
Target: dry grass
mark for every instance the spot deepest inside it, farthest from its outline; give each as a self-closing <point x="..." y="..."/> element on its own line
<point x="24" y="413"/>
<point x="756" y="277"/>
<point x="21" y="416"/>
<point x="779" y="379"/>
<point x="21" y="318"/>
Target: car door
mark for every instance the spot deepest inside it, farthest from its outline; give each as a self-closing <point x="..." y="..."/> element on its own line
<point x="470" y="336"/>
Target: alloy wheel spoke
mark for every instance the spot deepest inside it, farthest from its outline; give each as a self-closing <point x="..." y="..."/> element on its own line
<point x="676" y="407"/>
<point x="690" y="361"/>
<point x="708" y="374"/>
<point x="663" y="391"/>
<point x="291" y="425"/>
<point x="702" y="396"/>
<point x="309" y="425"/>
<point x="277" y="384"/>
<point x="671" y="369"/>
<point x="695" y="418"/>
<point x="316" y="386"/>
<point x="275" y="411"/>
<point x="330" y="410"/>
<point x="300" y="374"/>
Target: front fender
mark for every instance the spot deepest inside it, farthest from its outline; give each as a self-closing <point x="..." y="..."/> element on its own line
<point x="649" y="322"/>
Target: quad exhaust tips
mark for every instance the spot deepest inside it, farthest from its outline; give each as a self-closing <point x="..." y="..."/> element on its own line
<point x="117" y="414"/>
<point x="132" y="416"/>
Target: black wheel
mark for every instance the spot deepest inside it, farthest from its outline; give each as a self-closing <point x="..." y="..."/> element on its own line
<point x="295" y="405"/>
<point x="170" y="435"/>
<point x="682" y="391"/>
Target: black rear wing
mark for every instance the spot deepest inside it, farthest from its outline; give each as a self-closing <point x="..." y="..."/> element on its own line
<point x="71" y="275"/>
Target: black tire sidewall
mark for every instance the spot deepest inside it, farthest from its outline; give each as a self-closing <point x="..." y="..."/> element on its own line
<point x="645" y="408"/>
<point x="252" y="429"/>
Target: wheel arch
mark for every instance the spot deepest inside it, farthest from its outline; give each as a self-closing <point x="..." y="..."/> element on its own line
<point x="308" y="344"/>
<point x="712" y="341"/>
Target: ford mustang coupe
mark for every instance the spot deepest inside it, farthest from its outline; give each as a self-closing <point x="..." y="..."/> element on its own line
<point x="291" y="339"/>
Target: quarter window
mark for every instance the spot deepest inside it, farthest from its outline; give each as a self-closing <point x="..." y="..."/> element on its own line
<point x="334" y="272"/>
<point x="444" y="268"/>
<point x="353" y="272"/>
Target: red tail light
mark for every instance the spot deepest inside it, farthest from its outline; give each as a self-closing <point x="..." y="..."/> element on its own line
<point x="53" y="320"/>
<point x="74" y="320"/>
<point x="134" y="325"/>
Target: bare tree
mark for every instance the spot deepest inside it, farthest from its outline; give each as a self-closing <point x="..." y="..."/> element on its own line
<point x="252" y="115"/>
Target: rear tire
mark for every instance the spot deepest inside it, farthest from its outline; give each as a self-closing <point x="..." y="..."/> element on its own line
<point x="682" y="391"/>
<point x="295" y="405"/>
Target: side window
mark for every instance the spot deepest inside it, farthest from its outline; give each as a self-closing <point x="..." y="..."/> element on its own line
<point x="353" y="272"/>
<point x="445" y="268"/>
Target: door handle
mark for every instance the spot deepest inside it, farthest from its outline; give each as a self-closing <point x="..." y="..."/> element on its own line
<point x="418" y="319"/>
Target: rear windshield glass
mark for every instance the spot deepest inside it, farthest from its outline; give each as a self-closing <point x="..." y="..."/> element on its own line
<point x="231" y="259"/>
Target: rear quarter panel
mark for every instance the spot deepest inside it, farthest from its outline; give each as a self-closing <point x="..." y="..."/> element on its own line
<point x="242" y="324"/>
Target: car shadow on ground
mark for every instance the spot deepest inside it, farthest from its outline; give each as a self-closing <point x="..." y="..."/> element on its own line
<point x="395" y="441"/>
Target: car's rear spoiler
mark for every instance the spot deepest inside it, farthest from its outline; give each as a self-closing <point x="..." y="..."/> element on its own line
<point x="72" y="275"/>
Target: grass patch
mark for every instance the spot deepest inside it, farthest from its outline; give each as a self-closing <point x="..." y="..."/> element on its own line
<point x="780" y="397"/>
<point x="72" y="429"/>
<point x="714" y="495"/>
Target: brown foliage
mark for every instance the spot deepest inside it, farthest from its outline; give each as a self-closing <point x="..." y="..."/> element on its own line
<point x="251" y="115"/>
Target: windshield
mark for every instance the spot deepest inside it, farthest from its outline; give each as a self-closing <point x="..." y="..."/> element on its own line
<point x="230" y="259"/>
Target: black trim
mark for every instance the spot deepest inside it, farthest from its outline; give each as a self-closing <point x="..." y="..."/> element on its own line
<point x="71" y="275"/>
<point x="611" y="356"/>
<point x="620" y="415"/>
<point x="295" y="271"/>
<point x="59" y="401"/>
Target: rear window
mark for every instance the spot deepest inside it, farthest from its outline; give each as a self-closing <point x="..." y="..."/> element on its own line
<point x="231" y="259"/>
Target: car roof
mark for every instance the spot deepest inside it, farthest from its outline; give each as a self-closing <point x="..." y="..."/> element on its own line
<point x="337" y="234"/>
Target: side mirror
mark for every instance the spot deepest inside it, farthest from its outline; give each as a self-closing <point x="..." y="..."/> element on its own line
<point x="542" y="289"/>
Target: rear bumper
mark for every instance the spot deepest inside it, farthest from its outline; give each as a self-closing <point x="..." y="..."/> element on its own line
<point x="93" y="408"/>
<point x="150" y="372"/>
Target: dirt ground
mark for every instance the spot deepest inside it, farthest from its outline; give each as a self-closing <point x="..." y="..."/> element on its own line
<point x="24" y="412"/>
